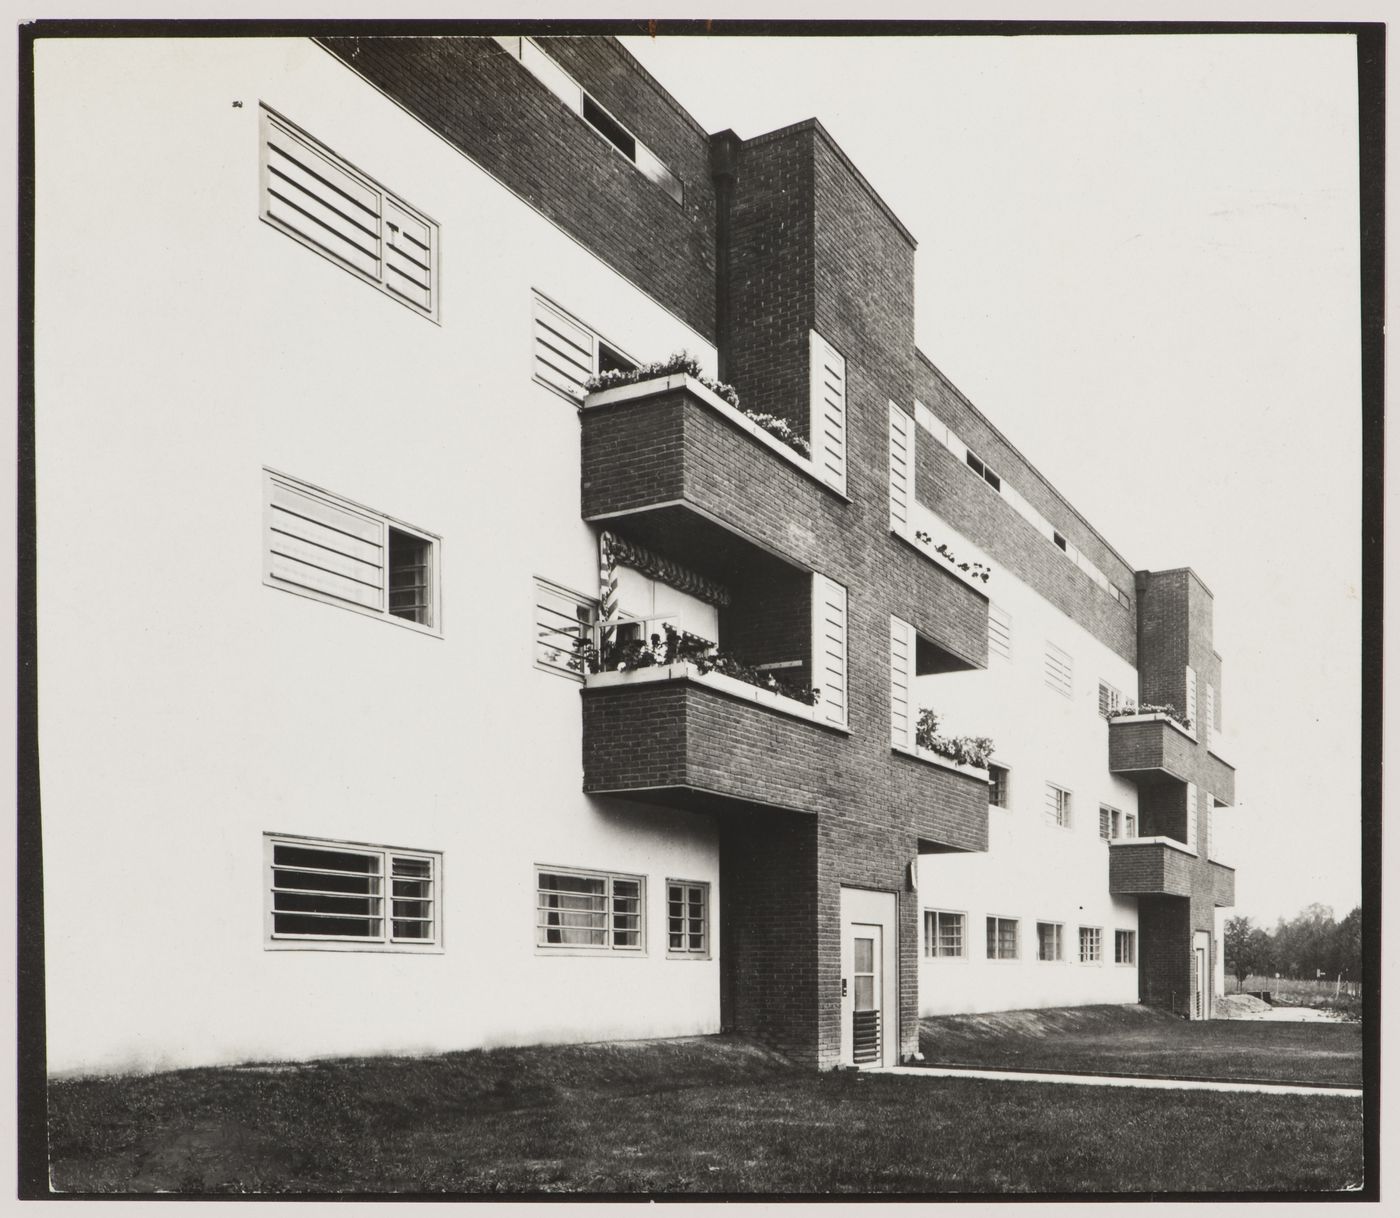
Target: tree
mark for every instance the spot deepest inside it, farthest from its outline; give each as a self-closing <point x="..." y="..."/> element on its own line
<point x="1247" y="948"/>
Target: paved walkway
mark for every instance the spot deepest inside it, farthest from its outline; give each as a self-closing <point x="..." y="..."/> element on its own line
<point x="1106" y="1080"/>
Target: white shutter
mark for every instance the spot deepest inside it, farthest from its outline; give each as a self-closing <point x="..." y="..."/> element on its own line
<point x="903" y="712"/>
<point x="902" y="440"/>
<point x="563" y="351"/>
<point x="1059" y="669"/>
<point x="829" y="635"/>
<point x="998" y="631"/>
<point x="1210" y="714"/>
<point x="1191" y="814"/>
<point x="828" y="412"/>
<point x="408" y="255"/>
<point x="316" y="543"/>
<point x="1205" y="828"/>
<point x="1191" y="695"/>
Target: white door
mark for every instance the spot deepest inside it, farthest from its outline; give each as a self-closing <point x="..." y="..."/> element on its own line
<point x="869" y="978"/>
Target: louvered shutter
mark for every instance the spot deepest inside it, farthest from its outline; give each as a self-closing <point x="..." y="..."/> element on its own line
<point x="902" y="440"/>
<point x="903" y="713"/>
<point x="564" y="354"/>
<point x="829" y="633"/>
<point x="828" y="412"/>
<point x="1191" y="814"/>
<point x="408" y="255"/>
<point x="315" y="543"/>
<point x="1191" y="696"/>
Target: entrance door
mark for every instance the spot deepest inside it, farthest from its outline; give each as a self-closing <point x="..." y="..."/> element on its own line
<point x="869" y="978"/>
<point x="1200" y="1000"/>
<point x="866" y="987"/>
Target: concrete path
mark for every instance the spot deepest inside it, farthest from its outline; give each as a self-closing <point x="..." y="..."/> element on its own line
<point x="1103" y="1080"/>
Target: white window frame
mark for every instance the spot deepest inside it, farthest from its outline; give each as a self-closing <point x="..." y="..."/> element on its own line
<point x="828" y="419"/>
<point x="831" y="649"/>
<point x="1059" y="806"/>
<point x="1091" y="945"/>
<point x="548" y="588"/>
<point x="1130" y="823"/>
<point x="1057" y="942"/>
<point x="686" y="952"/>
<point x="1005" y="786"/>
<point x="1120" y="939"/>
<point x="1059" y="669"/>
<point x="541" y="309"/>
<point x="609" y="948"/>
<point x="385" y="940"/>
<point x="998" y="919"/>
<point x="375" y="218"/>
<point x="933" y="939"/>
<point x="274" y="544"/>
<point x="1109" y="698"/>
<point x="1193" y="809"/>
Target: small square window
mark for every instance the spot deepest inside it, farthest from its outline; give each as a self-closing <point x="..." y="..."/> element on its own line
<point x="943" y="934"/>
<point x="688" y="919"/>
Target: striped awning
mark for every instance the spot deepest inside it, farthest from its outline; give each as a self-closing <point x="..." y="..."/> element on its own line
<point x="652" y="564"/>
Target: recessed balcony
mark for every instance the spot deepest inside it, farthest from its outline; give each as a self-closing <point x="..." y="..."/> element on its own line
<point x="1150" y="748"/>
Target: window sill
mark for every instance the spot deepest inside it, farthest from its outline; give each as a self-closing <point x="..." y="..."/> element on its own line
<point x="596" y="953"/>
<point x="944" y="763"/>
<point x="680" y="380"/>
<point x="716" y="681"/>
<point x="346" y="945"/>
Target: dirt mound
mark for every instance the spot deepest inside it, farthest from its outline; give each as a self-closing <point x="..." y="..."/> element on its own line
<point x="1239" y="1004"/>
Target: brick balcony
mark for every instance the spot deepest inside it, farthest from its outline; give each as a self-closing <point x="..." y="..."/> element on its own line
<point x="1224" y="884"/>
<point x="1149" y="867"/>
<point x="669" y="459"/>
<point x="1150" y="748"/>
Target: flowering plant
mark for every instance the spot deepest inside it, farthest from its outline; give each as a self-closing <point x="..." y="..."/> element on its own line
<point x="1151" y="708"/>
<point x="965" y="750"/>
<point x="678" y="647"/>
<point x="683" y="362"/>
<point x="975" y="570"/>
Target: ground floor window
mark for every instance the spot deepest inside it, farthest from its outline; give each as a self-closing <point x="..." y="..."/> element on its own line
<point x="348" y="895"/>
<point x="589" y="909"/>
<point x="1003" y="935"/>
<point x="943" y="933"/>
<point x="1090" y="945"/>
<point x="1049" y="941"/>
<point x="688" y="918"/>
<point x="1125" y="947"/>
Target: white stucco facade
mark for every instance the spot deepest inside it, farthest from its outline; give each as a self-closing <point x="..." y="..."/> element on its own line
<point x="185" y="708"/>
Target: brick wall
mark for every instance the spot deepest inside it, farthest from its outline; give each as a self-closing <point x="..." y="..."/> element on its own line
<point x="472" y="93"/>
<point x="1154" y="746"/>
<point x="1164" y="952"/>
<point x="1148" y="868"/>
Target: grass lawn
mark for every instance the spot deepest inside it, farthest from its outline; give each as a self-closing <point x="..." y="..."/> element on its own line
<point x="1139" y="1040"/>
<point x="689" y="1116"/>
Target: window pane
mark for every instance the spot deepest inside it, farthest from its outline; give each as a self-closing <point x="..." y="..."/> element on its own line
<point x="327" y="860"/>
<point x="864" y="955"/>
<point x="410" y="575"/>
<point x="306" y="924"/>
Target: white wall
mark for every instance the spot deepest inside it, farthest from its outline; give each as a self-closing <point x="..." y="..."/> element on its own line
<point x="185" y="708"/>
<point x="1033" y="870"/>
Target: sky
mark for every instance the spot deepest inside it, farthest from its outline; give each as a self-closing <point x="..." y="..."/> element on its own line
<point x="1138" y="256"/>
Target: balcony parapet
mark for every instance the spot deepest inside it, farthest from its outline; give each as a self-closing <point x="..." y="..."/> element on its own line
<point x="1150" y="866"/>
<point x="1150" y="748"/>
<point x="947" y="763"/>
<point x="735" y="688"/>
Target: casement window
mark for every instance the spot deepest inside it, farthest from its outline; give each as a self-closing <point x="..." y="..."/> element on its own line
<point x="687" y="919"/>
<point x="1057" y="805"/>
<point x="943" y="934"/>
<point x="323" y="202"/>
<point x="829" y="642"/>
<point x="544" y="69"/>
<point x="1090" y="945"/>
<point x="1130" y="824"/>
<point x="342" y="895"/>
<point x="1049" y="941"/>
<point x="1105" y="823"/>
<point x="827" y="411"/>
<point x="1192" y="811"/>
<point x="566" y="352"/>
<point x="998" y="631"/>
<point x="1125" y="947"/>
<point x="998" y="786"/>
<point x="1003" y="938"/>
<point x="1191" y="697"/>
<point x="562" y="620"/>
<point x="903" y="435"/>
<point x="1059" y="670"/>
<point x="589" y="910"/>
<point x="1111" y="823"/>
<point x="1109" y="699"/>
<point x="319" y="545"/>
<point x="983" y="470"/>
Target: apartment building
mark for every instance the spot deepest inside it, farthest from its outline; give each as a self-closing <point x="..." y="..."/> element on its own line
<point x="385" y="758"/>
